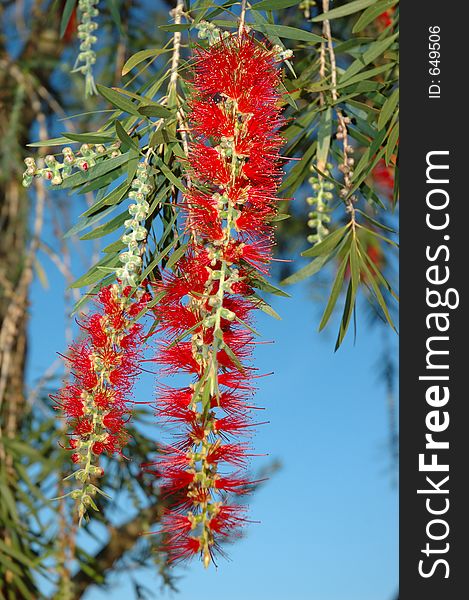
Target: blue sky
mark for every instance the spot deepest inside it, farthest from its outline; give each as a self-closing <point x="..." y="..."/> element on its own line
<point x="328" y="526"/>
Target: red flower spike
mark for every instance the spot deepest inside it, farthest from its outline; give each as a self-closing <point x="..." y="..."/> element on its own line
<point x="103" y="365"/>
<point x="235" y="170"/>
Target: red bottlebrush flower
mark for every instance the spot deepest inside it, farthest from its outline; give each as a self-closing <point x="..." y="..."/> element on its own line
<point x="76" y="458"/>
<point x="385" y="18"/>
<point x="227" y="519"/>
<point x="182" y="548"/>
<point x="103" y="366"/>
<point x="84" y="427"/>
<point x="235" y="171"/>
<point x="383" y="175"/>
<point x="175" y="524"/>
<point x="97" y="448"/>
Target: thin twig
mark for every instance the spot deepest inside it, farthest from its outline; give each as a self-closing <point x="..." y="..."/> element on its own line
<point x="342" y="120"/>
<point x="242" y="18"/>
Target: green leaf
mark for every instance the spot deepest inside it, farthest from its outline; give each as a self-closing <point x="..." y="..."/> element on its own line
<point x="87" y="221"/>
<point x="139" y="57"/>
<point x="161" y="136"/>
<point x="234" y="359"/>
<point x="392" y="142"/>
<point x="348" y="309"/>
<point x="372" y="273"/>
<point x="118" y="100"/>
<point x="169" y="175"/>
<point x="155" y="110"/>
<point x="372" y="13"/>
<point x="264" y="306"/>
<point x="280" y="217"/>
<point x="175" y="256"/>
<point x="311" y="269"/>
<point x="337" y="286"/>
<point x="61" y="141"/>
<point x="157" y="259"/>
<point x="95" y="273"/>
<point x="176" y="27"/>
<point x="324" y="136"/>
<point x="274" y="4"/>
<point x="67" y="13"/>
<point x="388" y="109"/>
<point x="101" y="183"/>
<point x="299" y="171"/>
<point x="125" y="137"/>
<point x="329" y="243"/>
<point x="259" y="282"/>
<point x="371" y="53"/>
<point x="367" y="75"/>
<point x="89" y="138"/>
<point x="375" y="222"/>
<point x="86" y="297"/>
<point x="103" y="167"/>
<point x="290" y="33"/>
<point x="106" y="228"/>
<point x="349" y="8"/>
<point x="354" y="266"/>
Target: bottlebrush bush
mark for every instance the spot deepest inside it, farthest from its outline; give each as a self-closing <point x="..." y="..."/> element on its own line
<point x="231" y="133"/>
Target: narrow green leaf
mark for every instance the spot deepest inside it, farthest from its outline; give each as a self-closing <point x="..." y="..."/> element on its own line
<point x="86" y="297"/>
<point x="125" y="137"/>
<point x="371" y="13"/>
<point x="155" y="110"/>
<point x="388" y="109"/>
<point x="114" y="197"/>
<point x="106" y="228"/>
<point x="89" y="138"/>
<point x="94" y="274"/>
<point x="176" y="27"/>
<point x="139" y="57"/>
<point x="67" y="13"/>
<point x="87" y="221"/>
<point x="264" y="306"/>
<point x="392" y="142"/>
<point x="118" y="100"/>
<point x="381" y="237"/>
<point x="104" y="166"/>
<point x="309" y="270"/>
<point x="375" y="49"/>
<point x="349" y="8"/>
<point x="324" y="136"/>
<point x="289" y="33"/>
<point x="61" y="141"/>
<point x="375" y="222"/>
<point x="371" y="279"/>
<point x="274" y="4"/>
<point x="337" y="286"/>
<point x="175" y="256"/>
<point x="354" y="266"/>
<point x="157" y="259"/>
<point x="259" y="282"/>
<point x="348" y="310"/>
<point x="328" y="244"/>
<point x="170" y="175"/>
<point x="366" y="75"/>
<point x="234" y="359"/>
